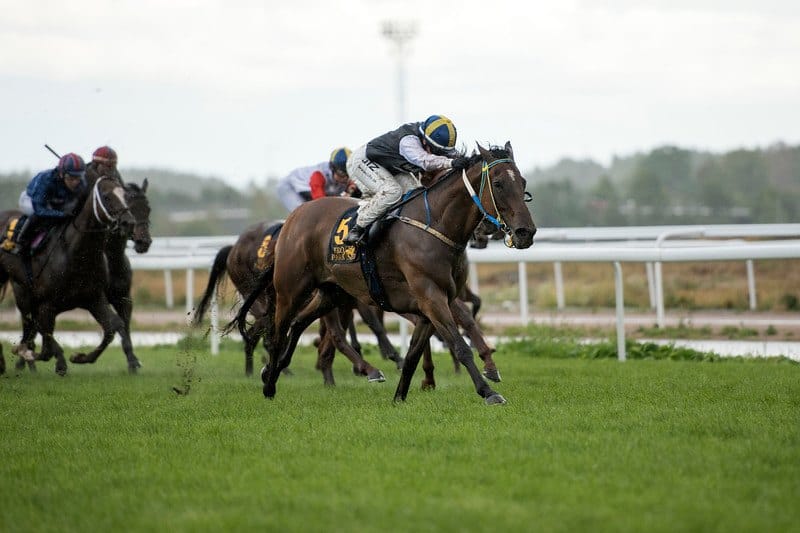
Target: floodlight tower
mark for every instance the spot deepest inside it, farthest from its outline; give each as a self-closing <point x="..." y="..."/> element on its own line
<point x="400" y="34"/>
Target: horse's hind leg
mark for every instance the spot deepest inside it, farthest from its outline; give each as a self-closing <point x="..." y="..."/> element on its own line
<point x="464" y="318"/>
<point x="288" y="331"/>
<point x="325" y="353"/>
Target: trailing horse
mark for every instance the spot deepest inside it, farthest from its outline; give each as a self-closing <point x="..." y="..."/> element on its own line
<point x="244" y="261"/>
<point x="70" y="271"/>
<point x="120" y="273"/>
<point x="420" y="259"/>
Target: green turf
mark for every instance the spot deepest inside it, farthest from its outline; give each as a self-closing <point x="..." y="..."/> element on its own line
<point x="584" y="444"/>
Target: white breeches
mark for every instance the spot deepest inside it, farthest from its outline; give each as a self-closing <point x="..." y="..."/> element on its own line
<point x="380" y="189"/>
<point x="25" y="204"/>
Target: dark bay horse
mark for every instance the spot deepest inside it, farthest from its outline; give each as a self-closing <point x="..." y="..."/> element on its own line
<point x="70" y="271"/>
<point x="244" y="261"/>
<point x="120" y="273"/>
<point x="420" y="258"/>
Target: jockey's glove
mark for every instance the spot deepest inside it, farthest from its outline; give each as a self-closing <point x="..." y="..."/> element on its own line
<point x="460" y="163"/>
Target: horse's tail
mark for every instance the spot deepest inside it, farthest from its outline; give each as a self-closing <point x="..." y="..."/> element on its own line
<point x="263" y="283"/>
<point x="217" y="271"/>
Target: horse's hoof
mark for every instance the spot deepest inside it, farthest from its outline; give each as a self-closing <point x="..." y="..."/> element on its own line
<point x="25" y="353"/>
<point x="78" y="358"/>
<point x="494" y="399"/>
<point x="269" y="392"/>
<point x="428" y="385"/>
<point x="492" y="375"/>
<point x="376" y="376"/>
<point x="61" y="371"/>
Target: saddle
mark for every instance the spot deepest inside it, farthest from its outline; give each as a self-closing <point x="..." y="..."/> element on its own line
<point x="11" y="232"/>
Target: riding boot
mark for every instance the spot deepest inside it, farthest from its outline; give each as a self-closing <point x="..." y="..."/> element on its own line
<point x="25" y="236"/>
<point x="355" y="235"/>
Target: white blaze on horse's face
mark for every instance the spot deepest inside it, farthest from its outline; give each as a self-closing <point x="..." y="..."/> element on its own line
<point x="511" y="174"/>
<point x="119" y="192"/>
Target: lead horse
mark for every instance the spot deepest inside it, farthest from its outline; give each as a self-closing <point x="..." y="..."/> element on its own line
<point x="421" y="260"/>
<point x="71" y="272"/>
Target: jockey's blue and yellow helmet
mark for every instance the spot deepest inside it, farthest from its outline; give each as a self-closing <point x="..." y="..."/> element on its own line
<point x="339" y="159"/>
<point x="71" y="164"/>
<point x="439" y="133"/>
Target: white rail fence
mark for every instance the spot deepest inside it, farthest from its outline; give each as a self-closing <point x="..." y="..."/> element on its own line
<point x="644" y="244"/>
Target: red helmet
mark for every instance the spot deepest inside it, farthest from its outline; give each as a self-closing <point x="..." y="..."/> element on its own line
<point x="71" y="164"/>
<point x="105" y="155"/>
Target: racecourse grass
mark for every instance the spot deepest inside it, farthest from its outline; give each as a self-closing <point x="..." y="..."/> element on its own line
<point x="584" y="444"/>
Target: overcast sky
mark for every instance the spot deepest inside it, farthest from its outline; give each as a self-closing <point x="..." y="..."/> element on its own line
<point x="248" y="89"/>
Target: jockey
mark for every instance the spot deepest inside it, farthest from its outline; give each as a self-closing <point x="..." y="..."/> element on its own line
<point x="384" y="168"/>
<point x="103" y="163"/>
<point x="323" y="179"/>
<point x="50" y="197"/>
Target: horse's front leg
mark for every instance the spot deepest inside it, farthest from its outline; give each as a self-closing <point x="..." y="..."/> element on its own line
<point x="428" y="383"/>
<point x="374" y="320"/>
<point x="335" y="330"/>
<point x="111" y="324"/>
<point x="26" y="348"/>
<point x="464" y="318"/>
<point x="46" y="321"/>
<point x="438" y="311"/>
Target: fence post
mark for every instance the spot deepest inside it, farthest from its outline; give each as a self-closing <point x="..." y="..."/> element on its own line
<point x="168" y="288"/>
<point x="620" y="304"/>
<point x="523" y="292"/>
<point x="751" y="284"/>
<point x="559" y="280"/>
<point x="189" y="290"/>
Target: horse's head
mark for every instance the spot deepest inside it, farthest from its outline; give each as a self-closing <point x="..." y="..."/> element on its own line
<point x="109" y="206"/>
<point x="139" y="207"/>
<point x="502" y="193"/>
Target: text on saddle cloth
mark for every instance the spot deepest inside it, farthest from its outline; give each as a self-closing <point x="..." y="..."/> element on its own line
<point x="338" y="251"/>
<point x="261" y="254"/>
<point x="9" y="236"/>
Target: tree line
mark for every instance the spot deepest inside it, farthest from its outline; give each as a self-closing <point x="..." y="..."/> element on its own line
<point x="668" y="185"/>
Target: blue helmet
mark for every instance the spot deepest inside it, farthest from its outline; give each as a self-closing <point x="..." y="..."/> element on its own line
<point x="339" y="159"/>
<point x="439" y="132"/>
<point x="71" y="164"/>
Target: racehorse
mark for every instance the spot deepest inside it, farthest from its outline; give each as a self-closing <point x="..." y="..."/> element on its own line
<point x="420" y="258"/>
<point x="69" y="271"/>
<point x="120" y="273"/>
<point x="252" y="253"/>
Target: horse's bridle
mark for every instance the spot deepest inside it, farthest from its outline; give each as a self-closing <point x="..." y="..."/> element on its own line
<point x="98" y="201"/>
<point x="498" y="222"/>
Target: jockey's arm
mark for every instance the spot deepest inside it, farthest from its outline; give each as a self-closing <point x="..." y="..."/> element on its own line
<point x="317" y="183"/>
<point x="412" y="150"/>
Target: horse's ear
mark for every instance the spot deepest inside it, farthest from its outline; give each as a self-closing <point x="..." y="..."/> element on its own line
<point x="509" y="150"/>
<point x="144" y="185"/>
<point x="484" y="153"/>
